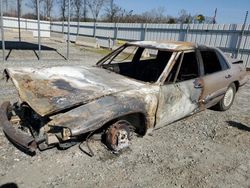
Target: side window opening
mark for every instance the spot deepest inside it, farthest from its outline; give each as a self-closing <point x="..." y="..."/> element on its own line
<point x="185" y="68"/>
<point x="212" y="63"/>
<point x="223" y="62"/>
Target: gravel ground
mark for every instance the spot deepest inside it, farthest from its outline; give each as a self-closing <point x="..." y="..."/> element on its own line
<point x="209" y="149"/>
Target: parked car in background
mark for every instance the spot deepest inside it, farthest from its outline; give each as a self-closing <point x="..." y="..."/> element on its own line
<point x="138" y="87"/>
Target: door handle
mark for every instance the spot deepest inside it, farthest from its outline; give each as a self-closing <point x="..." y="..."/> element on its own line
<point x="228" y="76"/>
<point x="199" y="85"/>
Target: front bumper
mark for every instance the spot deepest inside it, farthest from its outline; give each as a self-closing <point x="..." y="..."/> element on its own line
<point x="21" y="140"/>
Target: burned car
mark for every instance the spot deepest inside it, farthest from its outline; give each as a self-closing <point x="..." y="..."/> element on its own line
<point x="138" y="87"/>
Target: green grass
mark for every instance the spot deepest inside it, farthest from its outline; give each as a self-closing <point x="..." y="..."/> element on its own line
<point x="102" y="51"/>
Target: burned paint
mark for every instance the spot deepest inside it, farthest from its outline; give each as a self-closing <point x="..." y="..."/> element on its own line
<point x="49" y="91"/>
<point x="165" y="45"/>
<point x="81" y="120"/>
<point x="61" y="104"/>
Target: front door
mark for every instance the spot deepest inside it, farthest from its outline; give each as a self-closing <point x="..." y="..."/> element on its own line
<point x="180" y="94"/>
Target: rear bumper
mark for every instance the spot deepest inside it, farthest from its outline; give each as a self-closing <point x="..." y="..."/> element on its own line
<point x="23" y="141"/>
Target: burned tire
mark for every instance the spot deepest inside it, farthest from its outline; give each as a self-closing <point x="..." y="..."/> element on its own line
<point x="228" y="98"/>
<point x="118" y="135"/>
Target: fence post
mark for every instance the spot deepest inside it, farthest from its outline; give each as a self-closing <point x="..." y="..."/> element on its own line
<point x="115" y="31"/>
<point x="181" y="33"/>
<point x="38" y="27"/>
<point x="94" y="32"/>
<point x="68" y="37"/>
<point x="19" y="25"/>
<point x="233" y="39"/>
<point x="143" y="31"/>
<point x="187" y="32"/>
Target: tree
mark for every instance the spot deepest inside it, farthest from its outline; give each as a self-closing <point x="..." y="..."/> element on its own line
<point x="200" y="18"/>
<point x="156" y="15"/>
<point x="32" y="4"/>
<point x="48" y="5"/>
<point x="63" y="5"/>
<point x="78" y="5"/>
<point x="85" y="10"/>
<point x="9" y="5"/>
<point x="112" y="13"/>
<point x="95" y="7"/>
<point x="185" y="17"/>
<point x="171" y="20"/>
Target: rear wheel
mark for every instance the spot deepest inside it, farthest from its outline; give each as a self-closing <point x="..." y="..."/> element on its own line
<point x="227" y="100"/>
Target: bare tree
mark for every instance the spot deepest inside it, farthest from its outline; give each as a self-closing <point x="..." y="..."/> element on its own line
<point x="10" y="7"/>
<point x="95" y="7"/>
<point x="85" y="10"/>
<point x="48" y="5"/>
<point x="156" y="15"/>
<point x="185" y="17"/>
<point x="78" y="5"/>
<point x="112" y="12"/>
<point x="32" y="4"/>
<point x="63" y="6"/>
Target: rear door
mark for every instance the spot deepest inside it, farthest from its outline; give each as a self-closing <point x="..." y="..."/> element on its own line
<point x="180" y="93"/>
<point x="216" y="76"/>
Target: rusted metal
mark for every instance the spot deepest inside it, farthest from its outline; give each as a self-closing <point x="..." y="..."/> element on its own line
<point x="118" y="135"/>
<point x="165" y="45"/>
<point x="68" y="102"/>
<point x="50" y="90"/>
<point x="15" y="135"/>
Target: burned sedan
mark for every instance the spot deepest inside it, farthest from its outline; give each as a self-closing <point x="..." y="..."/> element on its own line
<point x="136" y="88"/>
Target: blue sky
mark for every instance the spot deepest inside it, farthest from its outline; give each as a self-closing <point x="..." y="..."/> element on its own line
<point x="229" y="11"/>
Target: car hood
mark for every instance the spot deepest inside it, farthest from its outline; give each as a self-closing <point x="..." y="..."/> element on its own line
<point x="51" y="90"/>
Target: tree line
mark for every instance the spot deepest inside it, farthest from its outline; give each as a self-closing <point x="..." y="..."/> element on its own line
<point x="99" y="10"/>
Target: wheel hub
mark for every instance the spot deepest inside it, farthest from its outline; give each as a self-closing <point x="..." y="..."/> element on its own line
<point x="228" y="97"/>
<point x="118" y="136"/>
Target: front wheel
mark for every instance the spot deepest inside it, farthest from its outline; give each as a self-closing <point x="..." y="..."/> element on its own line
<point x="118" y="135"/>
<point x="227" y="100"/>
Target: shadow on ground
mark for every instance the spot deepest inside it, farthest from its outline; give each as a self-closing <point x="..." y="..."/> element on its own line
<point x="238" y="125"/>
<point x="9" y="185"/>
<point x="16" y="45"/>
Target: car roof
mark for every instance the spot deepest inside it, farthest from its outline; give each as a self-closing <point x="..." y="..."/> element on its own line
<point x="165" y="45"/>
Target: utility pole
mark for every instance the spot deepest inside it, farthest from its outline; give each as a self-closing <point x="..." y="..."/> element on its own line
<point x="68" y="37"/>
<point x="38" y="27"/>
<point x="2" y="29"/>
<point x="241" y="35"/>
<point x="18" y="15"/>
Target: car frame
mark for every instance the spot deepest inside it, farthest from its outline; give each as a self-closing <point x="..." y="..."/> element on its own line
<point x="61" y="106"/>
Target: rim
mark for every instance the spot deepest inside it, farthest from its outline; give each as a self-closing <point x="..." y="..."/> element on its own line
<point x="228" y="98"/>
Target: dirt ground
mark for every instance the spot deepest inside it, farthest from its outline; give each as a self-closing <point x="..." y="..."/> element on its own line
<point x="209" y="149"/>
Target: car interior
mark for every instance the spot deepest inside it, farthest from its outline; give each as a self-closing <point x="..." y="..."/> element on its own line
<point x="135" y="65"/>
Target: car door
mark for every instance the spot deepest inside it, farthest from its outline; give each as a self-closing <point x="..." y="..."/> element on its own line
<point x="216" y="76"/>
<point x="180" y="93"/>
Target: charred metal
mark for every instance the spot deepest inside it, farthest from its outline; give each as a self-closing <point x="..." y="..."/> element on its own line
<point x="138" y="87"/>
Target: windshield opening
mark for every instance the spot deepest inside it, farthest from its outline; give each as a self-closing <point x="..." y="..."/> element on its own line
<point x="144" y="64"/>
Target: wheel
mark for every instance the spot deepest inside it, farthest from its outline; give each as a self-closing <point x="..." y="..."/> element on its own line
<point x="227" y="100"/>
<point x="118" y="135"/>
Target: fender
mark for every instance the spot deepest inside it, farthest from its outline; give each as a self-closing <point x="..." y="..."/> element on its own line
<point x="94" y="115"/>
